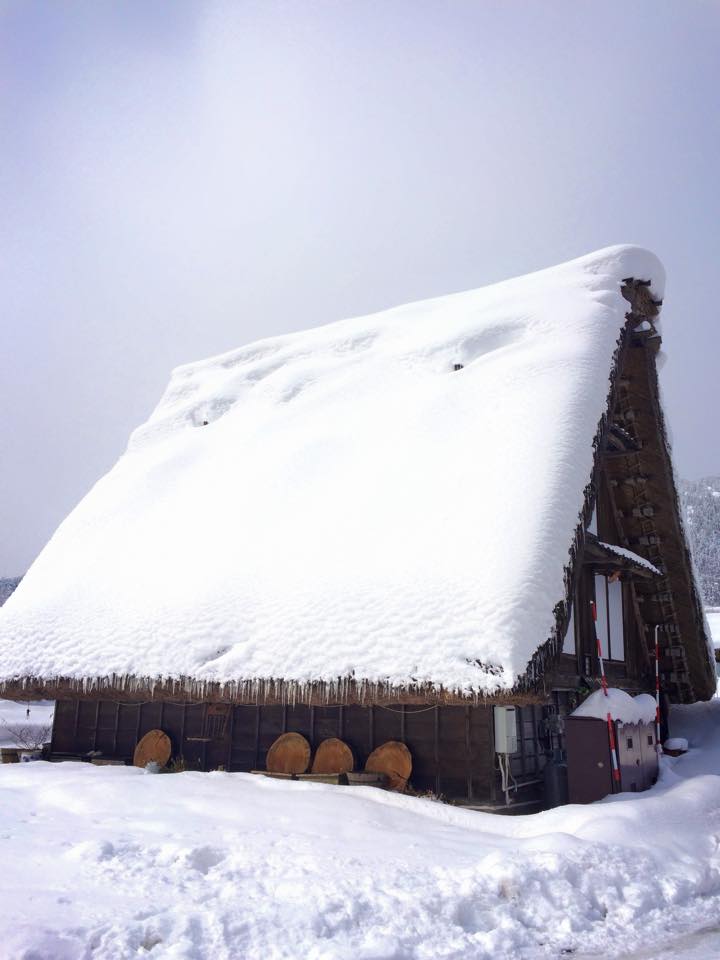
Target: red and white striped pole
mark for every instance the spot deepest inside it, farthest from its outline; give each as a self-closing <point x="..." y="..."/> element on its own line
<point x="603" y="680"/>
<point x="658" y="745"/>
<point x="613" y="749"/>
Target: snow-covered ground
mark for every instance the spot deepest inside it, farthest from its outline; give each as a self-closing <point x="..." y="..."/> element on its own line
<point x="25" y="725"/>
<point x="109" y="862"/>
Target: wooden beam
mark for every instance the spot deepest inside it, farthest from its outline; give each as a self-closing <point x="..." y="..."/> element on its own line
<point x="182" y="730"/>
<point x="230" y="738"/>
<point x="115" y="728"/>
<point x="258" y="708"/>
<point x="468" y="753"/>
<point x="138" y="722"/>
<point x="95" y="728"/>
<point x="436" y="745"/>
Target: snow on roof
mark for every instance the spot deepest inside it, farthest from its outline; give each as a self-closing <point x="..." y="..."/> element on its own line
<point x="629" y="555"/>
<point x="343" y="502"/>
<point x="620" y="705"/>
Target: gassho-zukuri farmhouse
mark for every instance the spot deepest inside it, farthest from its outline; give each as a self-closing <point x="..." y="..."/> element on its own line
<point x="391" y="528"/>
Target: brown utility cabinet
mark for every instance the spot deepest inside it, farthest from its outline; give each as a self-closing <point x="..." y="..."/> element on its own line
<point x="588" y="759"/>
<point x="590" y="764"/>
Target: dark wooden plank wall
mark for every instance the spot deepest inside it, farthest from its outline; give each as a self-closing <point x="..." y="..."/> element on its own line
<point x="451" y="746"/>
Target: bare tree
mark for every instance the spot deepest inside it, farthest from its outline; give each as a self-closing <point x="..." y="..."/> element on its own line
<point x="29" y="736"/>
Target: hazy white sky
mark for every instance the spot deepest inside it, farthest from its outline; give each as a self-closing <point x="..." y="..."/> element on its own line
<point x="179" y="178"/>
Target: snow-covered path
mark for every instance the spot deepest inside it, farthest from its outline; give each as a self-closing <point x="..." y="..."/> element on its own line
<point x="108" y="862"/>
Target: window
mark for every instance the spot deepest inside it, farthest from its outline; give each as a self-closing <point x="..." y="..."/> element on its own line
<point x="615" y="620"/>
<point x="569" y="642"/>
<point x="602" y="619"/>
<point x="609" y="625"/>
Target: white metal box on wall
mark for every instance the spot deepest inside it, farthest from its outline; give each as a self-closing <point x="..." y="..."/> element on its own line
<point x="505" y="723"/>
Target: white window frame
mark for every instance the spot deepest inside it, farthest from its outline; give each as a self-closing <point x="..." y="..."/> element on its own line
<point x="605" y="617"/>
<point x="569" y="640"/>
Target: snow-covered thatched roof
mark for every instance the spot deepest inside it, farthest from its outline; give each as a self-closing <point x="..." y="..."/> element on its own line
<point x="388" y="499"/>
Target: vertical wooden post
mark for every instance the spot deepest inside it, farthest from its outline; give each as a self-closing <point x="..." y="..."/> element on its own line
<point x="436" y="746"/>
<point x="137" y="723"/>
<point x="468" y="753"/>
<point x="402" y="723"/>
<point x="95" y="728"/>
<point x="340" y="722"/>
<point x="537" y="715"/>
<point x="162" y="713"/>
<point x="491" y="730"/>
<point x="521" y="731"/>
<point x="284" y="716"/>
<point x="230" y="737"/>
<point x="203" y="728"/>
<point x="77" y="719"/>
<point x="52" y="732"/>
<point x="371" y="727"/>
<point x="115" y="729"/>
<point x="312" y="725"/>
<point x="182" y="731"/>
<point x="257" y="736"/>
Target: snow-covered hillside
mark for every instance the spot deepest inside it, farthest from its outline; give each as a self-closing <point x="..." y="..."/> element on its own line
<point x="111" y="863"/>
<point x="701" y="502"/>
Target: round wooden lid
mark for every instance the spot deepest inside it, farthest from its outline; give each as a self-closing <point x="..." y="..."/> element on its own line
<point x="333" y="756"/>
<point x="289" y="754"/>
<point x="155" y="745"/>
<point x="394" y="760"/>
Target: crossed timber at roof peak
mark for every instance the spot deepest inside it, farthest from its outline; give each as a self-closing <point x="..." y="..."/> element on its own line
<point x="642" y="304"/>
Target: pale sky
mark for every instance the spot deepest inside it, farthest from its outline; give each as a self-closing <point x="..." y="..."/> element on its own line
<point x="178" y="178"/>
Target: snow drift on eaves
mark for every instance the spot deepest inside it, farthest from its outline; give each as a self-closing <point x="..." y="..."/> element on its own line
<point x="342" y="502"/>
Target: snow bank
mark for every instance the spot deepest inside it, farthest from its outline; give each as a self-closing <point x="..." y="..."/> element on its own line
<point x="106" y="862"/>
<point x="620" y="705"/>
<point x="343" y="502"/>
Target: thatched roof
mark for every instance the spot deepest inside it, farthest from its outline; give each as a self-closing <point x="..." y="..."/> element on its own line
<point x="382" y="507"/>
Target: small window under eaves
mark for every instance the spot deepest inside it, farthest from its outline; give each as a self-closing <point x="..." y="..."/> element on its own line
<point x="569" y="641"/>
<point x="592" y="525"/>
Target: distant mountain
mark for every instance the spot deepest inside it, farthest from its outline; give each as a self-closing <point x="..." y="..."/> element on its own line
<point x="701" y="502"/>
<point x="7" y="585"/>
